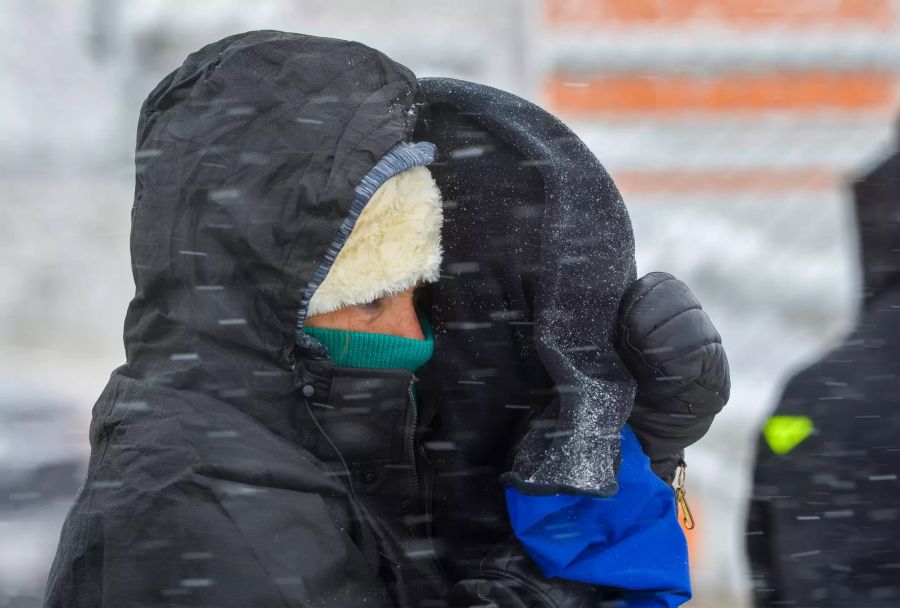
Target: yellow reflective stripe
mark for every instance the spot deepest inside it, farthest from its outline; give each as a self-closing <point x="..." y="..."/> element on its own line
<point x="784" y="433"/>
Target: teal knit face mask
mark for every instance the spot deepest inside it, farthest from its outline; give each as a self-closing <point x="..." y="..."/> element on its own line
<point x="364" y="349"/>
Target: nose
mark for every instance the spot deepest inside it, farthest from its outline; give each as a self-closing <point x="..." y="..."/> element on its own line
<point x="403" y="319"/>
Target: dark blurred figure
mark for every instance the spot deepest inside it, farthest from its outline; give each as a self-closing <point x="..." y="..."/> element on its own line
<point x="823" y="522"/>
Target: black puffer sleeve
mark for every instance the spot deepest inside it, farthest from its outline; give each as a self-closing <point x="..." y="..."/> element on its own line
<point x="675" y="353"/>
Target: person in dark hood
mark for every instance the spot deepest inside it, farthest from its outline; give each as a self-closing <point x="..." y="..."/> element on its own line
<point x="384" y="343"/>
<point x="822" y="523"/>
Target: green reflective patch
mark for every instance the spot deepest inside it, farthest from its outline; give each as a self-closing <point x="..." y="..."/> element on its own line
<point x="784" y="433"/>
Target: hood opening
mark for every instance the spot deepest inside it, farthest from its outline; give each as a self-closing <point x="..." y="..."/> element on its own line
<point x="401" y="157"/>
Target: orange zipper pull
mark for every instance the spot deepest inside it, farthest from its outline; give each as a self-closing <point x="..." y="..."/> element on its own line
<point x="681" y="497"/>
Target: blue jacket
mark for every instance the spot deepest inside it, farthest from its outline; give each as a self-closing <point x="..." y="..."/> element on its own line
<point x="631" y="541"/>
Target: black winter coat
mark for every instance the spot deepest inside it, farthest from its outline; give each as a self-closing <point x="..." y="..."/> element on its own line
<point x="822" y="527"/>
<point x="231" y="466"/>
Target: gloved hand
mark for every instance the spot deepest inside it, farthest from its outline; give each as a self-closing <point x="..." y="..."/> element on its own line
<point x="675" y="353"/>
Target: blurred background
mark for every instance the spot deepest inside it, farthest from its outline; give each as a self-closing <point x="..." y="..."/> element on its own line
<point x="734" y="129"/>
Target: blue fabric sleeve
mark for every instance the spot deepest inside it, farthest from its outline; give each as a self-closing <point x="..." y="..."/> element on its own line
<point x="631" y="541"/>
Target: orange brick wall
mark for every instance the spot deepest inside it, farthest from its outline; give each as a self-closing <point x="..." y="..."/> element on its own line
<point x="575" y="94"/>
<point x="772" y="71"/>
<point x="876" y="14"/>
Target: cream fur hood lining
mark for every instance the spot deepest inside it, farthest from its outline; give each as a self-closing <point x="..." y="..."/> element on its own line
<point x="395" y="243"/>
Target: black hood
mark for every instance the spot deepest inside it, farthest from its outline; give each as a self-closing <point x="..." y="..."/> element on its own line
<point x="538" y="252"/>
<point x="247" y="159"/>
<point x="877" y="206"/>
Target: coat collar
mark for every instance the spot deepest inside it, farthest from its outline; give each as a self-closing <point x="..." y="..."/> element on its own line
<point x="318" y="377"/>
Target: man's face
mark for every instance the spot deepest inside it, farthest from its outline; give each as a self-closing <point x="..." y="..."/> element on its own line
<point x="394" y="315"/>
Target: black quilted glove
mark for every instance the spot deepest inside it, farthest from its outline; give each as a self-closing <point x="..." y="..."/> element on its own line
<point x="675" y="353"/>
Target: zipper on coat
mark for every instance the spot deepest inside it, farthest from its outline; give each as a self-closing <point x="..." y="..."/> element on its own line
<point x="411" y="437"/>
<point x="428" y="477"/>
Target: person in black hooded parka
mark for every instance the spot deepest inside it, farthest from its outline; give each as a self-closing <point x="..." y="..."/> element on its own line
<point x="823" y="516"/>
<point x="234" y="463"/>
